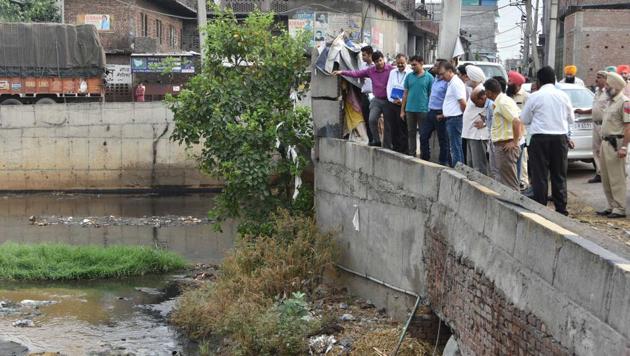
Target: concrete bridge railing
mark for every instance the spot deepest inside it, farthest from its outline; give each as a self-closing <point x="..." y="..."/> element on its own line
<point x="506" y="274"/>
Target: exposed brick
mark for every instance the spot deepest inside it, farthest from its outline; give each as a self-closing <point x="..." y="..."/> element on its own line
<point x="485" y="321"/>
<point x="596" y="38"/>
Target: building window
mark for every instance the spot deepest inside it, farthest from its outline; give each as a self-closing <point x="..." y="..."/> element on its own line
<point x="172" y="36"/>
<point x="158" y="30"/>
<point x="144" y="25"/>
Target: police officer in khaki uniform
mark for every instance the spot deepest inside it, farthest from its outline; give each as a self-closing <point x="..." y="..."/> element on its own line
<point x="615" y="139"/>
<point x="600" y="102"/>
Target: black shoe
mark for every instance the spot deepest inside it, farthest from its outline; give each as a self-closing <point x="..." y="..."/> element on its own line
<point x="596" y="179"/>
<point x="529" y="193"/>
<point x="605" y="212"/>
<point x="616" y="216"/>
<point x="565" y="213"/>
<point x="376" y="144"/>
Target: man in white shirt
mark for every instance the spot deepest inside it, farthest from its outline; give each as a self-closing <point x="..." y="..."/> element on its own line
<point x="453" y="109"/>
<point x="476" y="138"/>
<point x="548" y="114"/>
<point x="394" y="129"/>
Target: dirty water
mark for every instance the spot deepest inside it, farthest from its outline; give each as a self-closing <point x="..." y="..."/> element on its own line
<point x="104" y="317"/>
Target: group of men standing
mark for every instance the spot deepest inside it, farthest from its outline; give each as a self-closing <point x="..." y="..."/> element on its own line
<point x="492" y="125"/>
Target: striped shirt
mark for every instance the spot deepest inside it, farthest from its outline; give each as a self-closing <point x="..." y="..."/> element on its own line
<point x="505" y="111"/>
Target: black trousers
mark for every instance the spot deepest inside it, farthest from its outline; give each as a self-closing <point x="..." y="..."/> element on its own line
<point x="548" y="161"/>
<point x="365" y="110"/>
<point x="396" y="127"/>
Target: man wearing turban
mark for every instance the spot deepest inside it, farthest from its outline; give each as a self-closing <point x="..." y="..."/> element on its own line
<point x="516" y="92"/>
<point x="570" y="72"/>
<point x="476" y="138"/>
<point x="615" y="140"/>
<point x="600" y="102"/>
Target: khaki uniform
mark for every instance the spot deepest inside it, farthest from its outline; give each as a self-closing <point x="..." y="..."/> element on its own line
<point x="614" y="168"/>
<point x="600" y="103"/>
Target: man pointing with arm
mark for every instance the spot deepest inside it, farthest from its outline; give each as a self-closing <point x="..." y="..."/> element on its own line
<point x="379" y="74"/>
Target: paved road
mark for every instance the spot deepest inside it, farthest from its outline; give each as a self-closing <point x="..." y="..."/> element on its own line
<point x="585" y="199"/>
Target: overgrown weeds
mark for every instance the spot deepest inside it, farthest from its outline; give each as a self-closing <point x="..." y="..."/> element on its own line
<point x="259" y="300"/>
<point x="65" y="262"/>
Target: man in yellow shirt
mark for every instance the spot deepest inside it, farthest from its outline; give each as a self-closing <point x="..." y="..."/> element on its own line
<point x="505" y="134"/>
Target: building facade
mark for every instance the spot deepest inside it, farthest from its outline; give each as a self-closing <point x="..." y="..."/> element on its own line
<point x="126" y="27"/>
<point x="478" y="29"/>
<point x="391" y="26"/>
<point x="591" y="34"/>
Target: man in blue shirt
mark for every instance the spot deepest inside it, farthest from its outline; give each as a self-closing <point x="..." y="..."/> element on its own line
<point x="415" y="103"/>
<point x="435" y="119"/>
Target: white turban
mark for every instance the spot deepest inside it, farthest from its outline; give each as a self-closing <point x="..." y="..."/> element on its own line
<point x="615" y="81"/>
<point x="475" y="74"/>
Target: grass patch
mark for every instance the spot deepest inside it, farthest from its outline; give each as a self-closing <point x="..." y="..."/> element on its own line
<point x="66" y="262"/>
<point x="260" y="300"/>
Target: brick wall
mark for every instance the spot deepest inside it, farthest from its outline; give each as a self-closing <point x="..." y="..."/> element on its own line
<point x="126" y="23"/>
<point x="595" y="39"/>
<point x="485" y="322"/>
<point x="117" y="40"/>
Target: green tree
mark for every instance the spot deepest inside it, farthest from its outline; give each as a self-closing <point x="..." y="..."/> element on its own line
<point x="241" y="110"/>
<point x="29" y="11"/>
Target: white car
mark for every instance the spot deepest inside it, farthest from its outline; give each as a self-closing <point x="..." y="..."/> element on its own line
<point x="490" y="69"/>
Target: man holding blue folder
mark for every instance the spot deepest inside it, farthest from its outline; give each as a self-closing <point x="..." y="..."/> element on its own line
<point x="394" y="129"/>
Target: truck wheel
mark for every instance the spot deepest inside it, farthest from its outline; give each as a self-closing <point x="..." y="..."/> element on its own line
<point x="11" y="102"/>
<point x="46" y="101"/>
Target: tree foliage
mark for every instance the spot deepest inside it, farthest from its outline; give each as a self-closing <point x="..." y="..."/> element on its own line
<point x="29" y="11"/>
<point x="241" y="110"/>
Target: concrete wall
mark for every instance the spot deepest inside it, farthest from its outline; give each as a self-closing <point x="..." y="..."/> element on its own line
<point x="93" y="146"/>
<point x="506" y="274"/>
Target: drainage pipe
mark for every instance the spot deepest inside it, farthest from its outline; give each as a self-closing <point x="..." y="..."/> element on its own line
<point x="385" y="284"/>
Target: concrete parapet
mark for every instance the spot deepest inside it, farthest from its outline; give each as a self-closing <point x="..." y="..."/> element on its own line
<point x="507" y="275"/>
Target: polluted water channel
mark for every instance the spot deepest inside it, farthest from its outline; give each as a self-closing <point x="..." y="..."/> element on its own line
<point x="104" y="317"/>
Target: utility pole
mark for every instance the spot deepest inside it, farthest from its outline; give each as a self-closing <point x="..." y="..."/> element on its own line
<point x="202" y="21"/>
<point x="553" y="32"/>
<point x="527" y="34"/>
<point x="534" y="39"/>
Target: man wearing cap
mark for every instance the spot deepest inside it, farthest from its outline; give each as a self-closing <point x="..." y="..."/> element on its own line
<point x="615" y="139"/>
<point x="569" y="76"/>
<point x="600" y="102"/>
<point x="476" y="138"/>
<point x="519" y="95"/>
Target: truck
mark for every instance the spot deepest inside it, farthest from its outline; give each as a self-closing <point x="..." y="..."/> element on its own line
<point x="47" y="63"/>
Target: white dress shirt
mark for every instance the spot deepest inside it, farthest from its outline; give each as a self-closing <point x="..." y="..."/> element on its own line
<point x="472" y="113"/>
<point x="578" y="81"/>
<point x="548" y="111"/>
<point x="366" y="88"/>
<point x="455" y="92"/>
<point x="396" y="80"/>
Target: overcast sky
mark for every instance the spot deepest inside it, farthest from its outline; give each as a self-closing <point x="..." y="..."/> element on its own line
<point x="508" y="40"/>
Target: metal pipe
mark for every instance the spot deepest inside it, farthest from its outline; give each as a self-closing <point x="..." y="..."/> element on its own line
<point x="385" y="284"/>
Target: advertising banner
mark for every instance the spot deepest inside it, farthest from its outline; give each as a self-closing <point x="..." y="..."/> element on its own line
<point x="154" y="64"/>
<point x="101" y="22"/>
